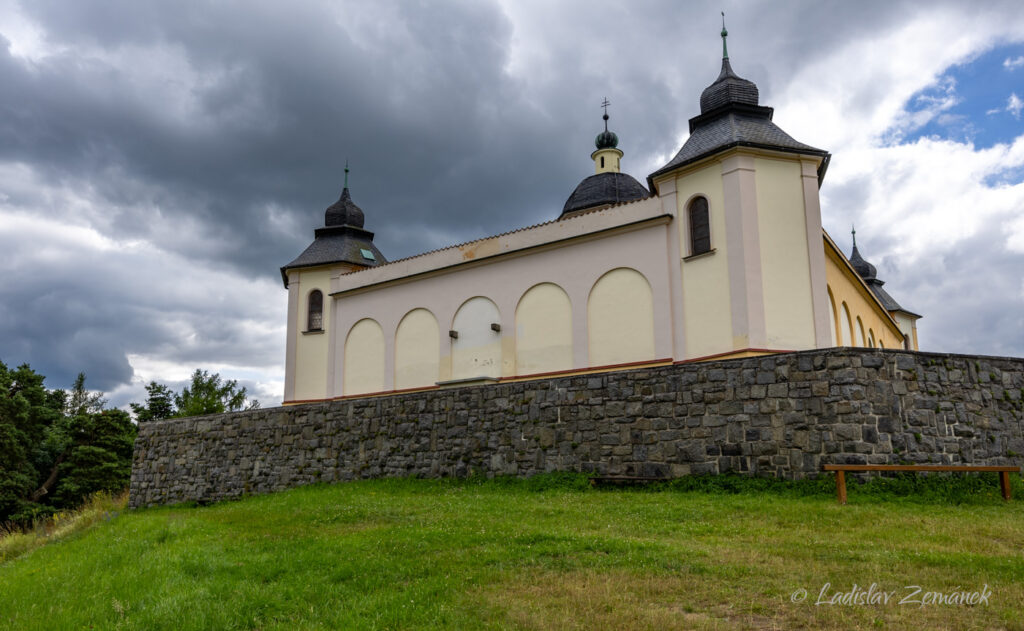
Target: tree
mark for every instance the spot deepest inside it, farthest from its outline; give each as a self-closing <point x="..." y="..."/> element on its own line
<point x="159" y="404"/>
<point x="208" y="395"/>
<point x="81" y="401"/>
<point x="99" y="458"/>
<point x="57" y="447"/>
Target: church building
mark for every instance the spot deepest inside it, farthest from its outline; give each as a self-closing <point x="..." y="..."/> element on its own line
<point x="721" y="255"/>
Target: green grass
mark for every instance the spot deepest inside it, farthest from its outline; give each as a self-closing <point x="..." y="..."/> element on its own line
<point x="544" y="553"/>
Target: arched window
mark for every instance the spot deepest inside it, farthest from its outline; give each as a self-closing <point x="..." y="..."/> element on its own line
<point x="700" y="227"/>
<point x="315" y="313"/>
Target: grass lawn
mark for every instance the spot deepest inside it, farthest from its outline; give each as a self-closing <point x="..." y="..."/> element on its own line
<point x="419" y="554"/>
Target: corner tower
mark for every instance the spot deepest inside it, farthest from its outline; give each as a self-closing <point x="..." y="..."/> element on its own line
<point x="751" y="244"/>
<point x="608" y="186"/>
<point x="340" y="246"/>
<point x="905" y="319"/>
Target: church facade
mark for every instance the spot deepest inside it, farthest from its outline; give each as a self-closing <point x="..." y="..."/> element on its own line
<point x="721" y="255"/>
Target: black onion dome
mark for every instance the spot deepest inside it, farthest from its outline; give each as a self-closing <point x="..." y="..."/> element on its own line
<point x="727" y="89"/>
<point x="604" y="188"/>
<point x="866" y="270"/>
<point x="342" y="239"/>
<point x="344" y="212"/>
<point x="606" y="139"/>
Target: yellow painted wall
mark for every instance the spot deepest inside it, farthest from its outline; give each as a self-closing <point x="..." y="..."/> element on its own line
<point x="785" y="264"/>
<point x="364" y="358"/>
<point x="845" y="325"/>
<point x="477" y="352"/>
<point x="833" y="327"/>
<point x="611" y="160"/>
<point x="417" y="350"/>
<point x="846" y="287"/>
<point x="858" y="331"/>
<point x="543" y="330"/>
<point x="620" y="319"/>
<point x="706" y="304"/>
<point x="311" y="349"/>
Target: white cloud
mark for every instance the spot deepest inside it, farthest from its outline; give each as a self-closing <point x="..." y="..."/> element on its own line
<point x="1013" y="64"/>
<point x="1014" y="105"/>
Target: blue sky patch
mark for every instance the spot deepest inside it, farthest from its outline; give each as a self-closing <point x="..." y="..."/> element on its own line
<point x="980" y="101"/>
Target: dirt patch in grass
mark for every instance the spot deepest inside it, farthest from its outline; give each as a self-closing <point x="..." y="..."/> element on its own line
<point x="588" y="599"/>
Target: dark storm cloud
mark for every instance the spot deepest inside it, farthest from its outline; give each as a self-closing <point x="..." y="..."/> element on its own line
<point x="283" y="97"/>
<point x="215" y="134"/>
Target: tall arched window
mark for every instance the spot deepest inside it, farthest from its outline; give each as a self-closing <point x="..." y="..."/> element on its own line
<point x="700" y="227"/>
<point x="315" y="313"/>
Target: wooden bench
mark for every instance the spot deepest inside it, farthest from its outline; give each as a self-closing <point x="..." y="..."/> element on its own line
<point x="841" y="469"/>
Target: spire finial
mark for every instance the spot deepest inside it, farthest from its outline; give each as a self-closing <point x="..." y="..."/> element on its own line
<point x="346" y="172"/>
<point x="725" y="33"/>
<point x="853" y="231"/>
<point x="605" y="103"/>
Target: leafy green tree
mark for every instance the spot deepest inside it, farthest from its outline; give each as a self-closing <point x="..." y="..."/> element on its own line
<point x="159" y="404"/>
<point x="207" y="394"/>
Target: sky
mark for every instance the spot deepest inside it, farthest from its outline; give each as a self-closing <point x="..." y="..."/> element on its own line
<point x="160" y="161"/>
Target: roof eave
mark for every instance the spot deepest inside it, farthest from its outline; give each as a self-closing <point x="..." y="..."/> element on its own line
<point x="824" y="155"/>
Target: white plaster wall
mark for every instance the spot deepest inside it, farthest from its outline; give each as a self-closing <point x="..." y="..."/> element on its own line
<point x="620" y="314"/>
<point x="705" y="279"/>
<point x="906" y="325"/>
<point x="573" y="265"/>
<point x="543" y="330"/>
<point x="785" y="263"/>
<point x="417" y="355"/>
<point x="311" y="349"/>
<point x="364" y="358"/>
<point x="476" y="352"/>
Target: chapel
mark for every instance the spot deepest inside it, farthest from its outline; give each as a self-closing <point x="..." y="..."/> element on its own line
<point x="720" y="255"/>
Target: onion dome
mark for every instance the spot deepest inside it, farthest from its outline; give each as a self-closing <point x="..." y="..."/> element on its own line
<point x="869" y="273"/>
<point x="606" y="139"/>
<point x="866" y="270"/>
<point x="344" y="212"/>
<point x="728" y="88"/>
<point x="731" y="116"/>
<point x="342" y="239"/>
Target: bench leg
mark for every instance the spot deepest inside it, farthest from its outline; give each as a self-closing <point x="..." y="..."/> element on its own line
<point x="841" y="486"/>
<point x="1004" y="484"/>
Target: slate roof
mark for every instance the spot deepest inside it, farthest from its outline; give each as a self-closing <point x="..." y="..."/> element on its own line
<point x="604" y="188"/>
<point x="340" y="240"/>
<point x="868" y="272"/>
<point x="728" y="88"/>
<point x="344" y="212"/>
<point x="731" y="117"/>
<point x="883" y="296"/>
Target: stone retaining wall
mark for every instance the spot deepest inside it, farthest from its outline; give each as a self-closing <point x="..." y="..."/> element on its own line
<point x="780" y="415"/>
